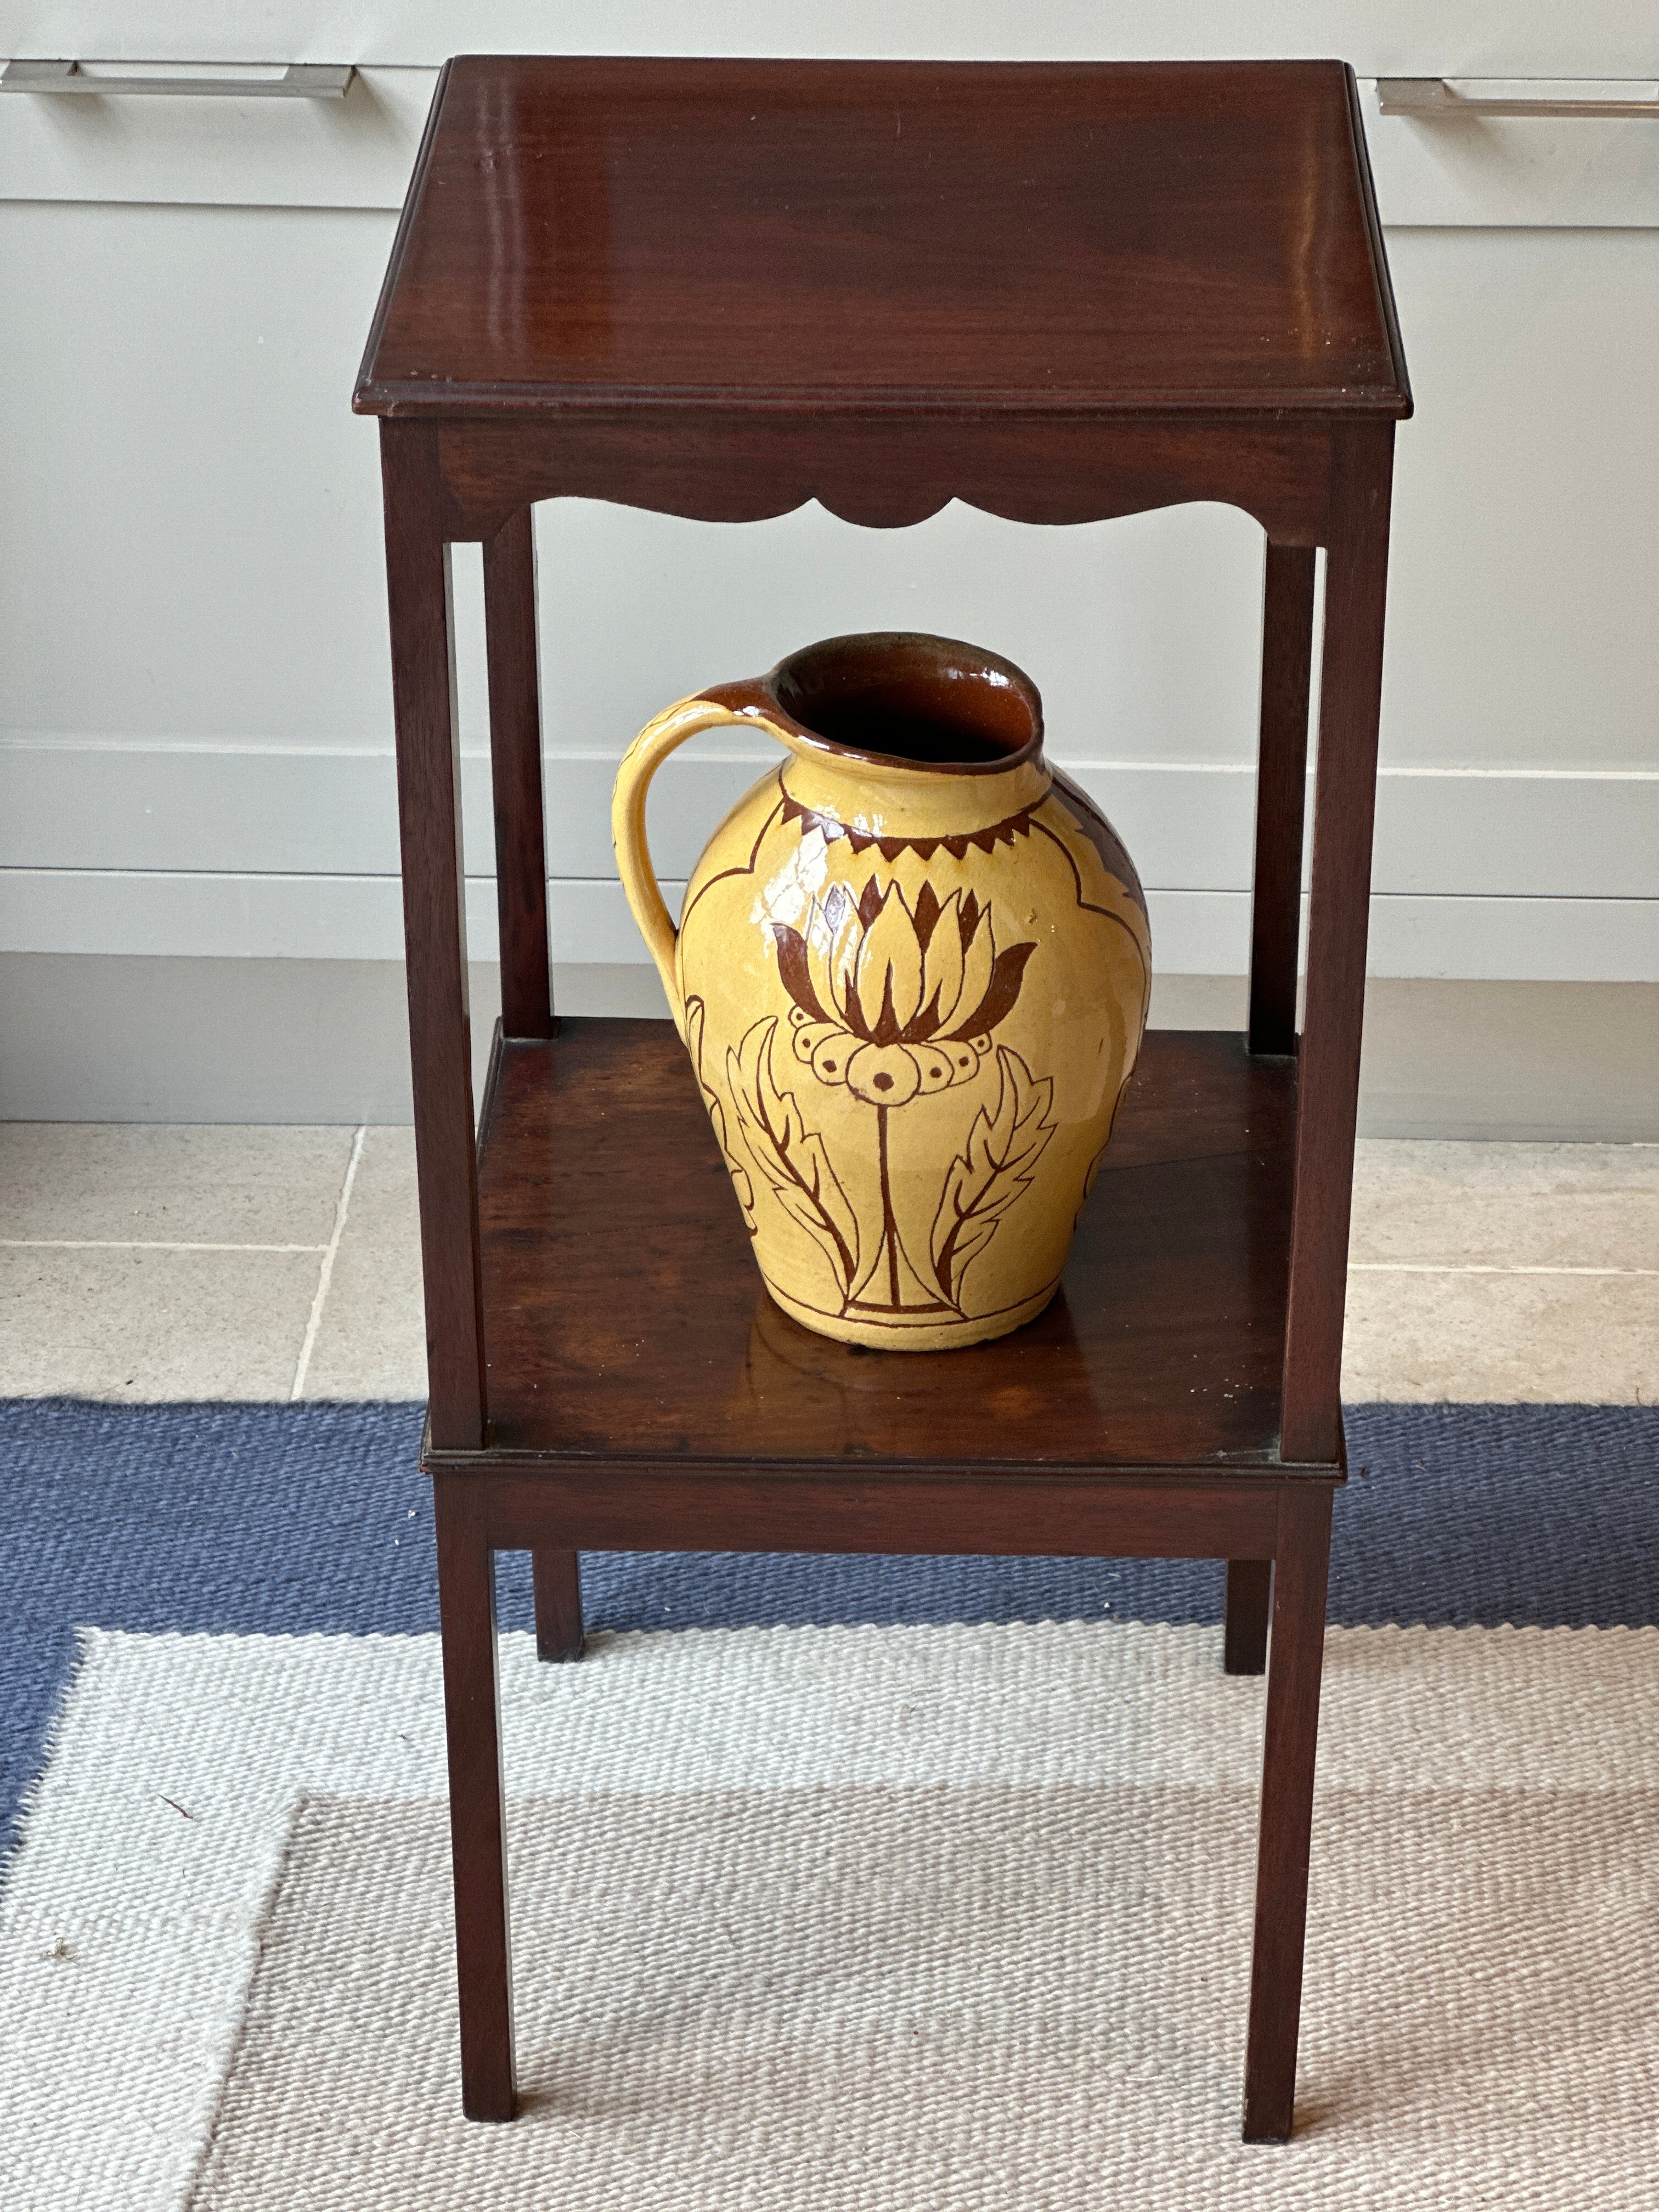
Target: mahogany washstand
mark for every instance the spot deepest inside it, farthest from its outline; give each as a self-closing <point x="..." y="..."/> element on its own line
<point x="718" y="289"/>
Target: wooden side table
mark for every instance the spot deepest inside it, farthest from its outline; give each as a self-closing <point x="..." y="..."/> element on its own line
<point x="719" y="290"/>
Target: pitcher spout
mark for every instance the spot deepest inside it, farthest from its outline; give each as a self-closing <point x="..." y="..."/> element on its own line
<point x="897" y="732"/>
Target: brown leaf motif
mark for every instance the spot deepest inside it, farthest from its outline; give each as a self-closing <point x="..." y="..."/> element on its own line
<point x="695" y="1011"/>
<point x="990" y="1174"/>
<point x="791" y="1157"/>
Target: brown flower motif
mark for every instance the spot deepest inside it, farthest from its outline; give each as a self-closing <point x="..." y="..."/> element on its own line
<point x="894" y="1001"/>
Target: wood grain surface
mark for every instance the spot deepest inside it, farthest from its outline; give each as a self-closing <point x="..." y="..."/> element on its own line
<point x="1161" y="1350"/>
<point x="467" y="1611"/>
<point x="1117" y="237"/>
<point x="434" y="929"/>
<point x="1295" y="1660"/>
<point x="516" y="764"/>
<point x="1287" y="613"/>
<point x="1339" y="918"/>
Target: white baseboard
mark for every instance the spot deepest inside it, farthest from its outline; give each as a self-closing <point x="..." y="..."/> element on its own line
<point x="102" y="1038"/>
<point x="356" y="918"/>
<point x="180" y="807"/>
<point x="175" y="851"/>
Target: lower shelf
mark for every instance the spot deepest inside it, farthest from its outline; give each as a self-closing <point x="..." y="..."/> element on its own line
<point x="625" y="1318"/>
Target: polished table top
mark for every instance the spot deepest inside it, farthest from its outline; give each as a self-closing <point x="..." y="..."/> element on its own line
<point x="1164" y="1349"/>
<point x="1122" y="239"/>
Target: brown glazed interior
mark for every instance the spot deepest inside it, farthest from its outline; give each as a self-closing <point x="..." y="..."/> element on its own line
<point x="903" y="698"/>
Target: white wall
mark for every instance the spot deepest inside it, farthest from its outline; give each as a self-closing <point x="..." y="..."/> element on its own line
<point x="195" y="721"/>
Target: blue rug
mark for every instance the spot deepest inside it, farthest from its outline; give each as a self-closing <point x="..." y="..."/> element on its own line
<point x="249" y="1519"/>
<point x="925" y="1874"/>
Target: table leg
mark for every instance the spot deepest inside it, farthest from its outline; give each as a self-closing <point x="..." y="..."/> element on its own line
<point x="556" y="1578"/>
<point x="1327" y="1087"/>
<point x="1287" y="1780"/>
<point x="1245" y="1639"/>
<point x="515" y="759"/>
<point x="435" y="929"/>
<point x="1280" y="790"/>
<point x="466" y="1609"/>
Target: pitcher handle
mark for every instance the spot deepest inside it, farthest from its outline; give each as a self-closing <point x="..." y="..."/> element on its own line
<point x="687" y="718"/>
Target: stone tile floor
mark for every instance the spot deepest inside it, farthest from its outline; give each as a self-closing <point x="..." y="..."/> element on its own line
<point x="152" y="1262"/>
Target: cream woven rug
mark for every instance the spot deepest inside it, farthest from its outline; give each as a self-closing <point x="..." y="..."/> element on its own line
<point x="862" y="1916"/>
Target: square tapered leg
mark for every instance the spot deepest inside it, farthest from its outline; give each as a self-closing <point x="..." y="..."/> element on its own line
<point x="1295" y="1659"/>
<point x="555" y="1577"/>
<point x="1244" y="1639"/>
<point x="466" y="1604"/>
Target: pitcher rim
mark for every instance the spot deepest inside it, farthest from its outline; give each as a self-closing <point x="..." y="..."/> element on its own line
<point x="762" y="695"/>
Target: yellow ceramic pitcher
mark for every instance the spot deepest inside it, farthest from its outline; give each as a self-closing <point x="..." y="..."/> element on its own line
<point x="912" y="972"/>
